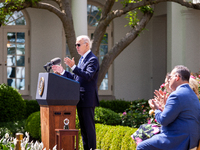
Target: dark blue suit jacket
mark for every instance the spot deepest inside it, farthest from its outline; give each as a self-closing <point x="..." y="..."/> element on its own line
<point x="87" y="76"/>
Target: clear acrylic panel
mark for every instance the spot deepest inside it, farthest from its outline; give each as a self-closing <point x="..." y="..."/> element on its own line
<point x="103" y="49"/>
<point x="20" y="49"/>
<point x="11" y="82"/>
<point x="20" y="72"/>
<point x="20" y="37"/>
<point x="20" y="60"/>
<point x="104" y="85"/>
<point x="11" y="72"/>
<point x="11" y="60"/>
<point x="11" y="36"/>
<point x="10" y="49"/>
<point x="20" y="84"/>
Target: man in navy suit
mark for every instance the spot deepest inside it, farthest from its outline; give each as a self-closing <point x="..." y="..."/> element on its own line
<point x="180" y="118"/>
<point x="86" y="73"/>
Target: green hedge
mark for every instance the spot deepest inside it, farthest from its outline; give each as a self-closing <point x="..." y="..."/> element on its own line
<point x="113" y="138"/>
<point x="33" y="125"/>
<point x="136" y="114"/>
<point x="12" y="105"/>
<point x="117" y="105"/>
<point x="31" y="107"/>
<point x="106" y="116"/>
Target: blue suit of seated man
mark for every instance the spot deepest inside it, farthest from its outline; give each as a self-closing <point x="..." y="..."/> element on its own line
<point x="180" y="118"/>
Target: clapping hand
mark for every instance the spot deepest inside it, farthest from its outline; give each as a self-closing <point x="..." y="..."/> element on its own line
<point x="69" y="62"/>
<point x="161" y="97"/>
<point x="57" y="68"/>
<point x="155" y="104"/>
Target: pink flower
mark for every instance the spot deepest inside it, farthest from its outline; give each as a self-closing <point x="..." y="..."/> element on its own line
<point x="154" y="125"/>
<point x="163" y="85"/>
<point x="138" y="140"/>
<point x="199" y="76"/>
<point x="149" y="121"/>
<point x="155" y="120"/>
<point x="192" y="77"/>
<point x="124" y="113"/>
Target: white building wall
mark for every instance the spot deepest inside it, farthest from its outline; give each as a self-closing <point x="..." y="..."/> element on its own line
<point x="134" y="69"/>
<point x="174" y="35"/>
<point x="183" y="37"/>
<point x="46" y="42"/>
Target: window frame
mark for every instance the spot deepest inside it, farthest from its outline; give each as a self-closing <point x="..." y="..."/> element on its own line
<point x="3" y="50"/>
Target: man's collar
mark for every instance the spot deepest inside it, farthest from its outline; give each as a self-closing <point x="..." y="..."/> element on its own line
<point x="86" y="54"/>
<point x="182" y="85"/>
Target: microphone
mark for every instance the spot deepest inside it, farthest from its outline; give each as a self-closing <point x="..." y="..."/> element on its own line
<point x="54" y="61"/>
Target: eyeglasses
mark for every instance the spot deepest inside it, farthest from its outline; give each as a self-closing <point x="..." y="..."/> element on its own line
<point x="175" y="75"/>
<point x="77" y="45"/>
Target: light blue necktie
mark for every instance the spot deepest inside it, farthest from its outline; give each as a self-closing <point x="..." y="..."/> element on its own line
<point x="80" y="61"/>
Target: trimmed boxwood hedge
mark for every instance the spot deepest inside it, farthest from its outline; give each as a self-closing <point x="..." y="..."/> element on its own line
<point x="12" y="105"/>
<point x="33" y="125"/>
<point x="113" y="138"/>
<point x="117" y="105"/>
<point x="31" y="107"/>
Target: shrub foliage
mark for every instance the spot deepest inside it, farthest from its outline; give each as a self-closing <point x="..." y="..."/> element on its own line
<point x="31" y="107"/>
<point x="117" y="106"/>
<point x="136" y="114"/>
<point x="106" y="116"/>
<point x="12" y="105"/>
<point x="33" y="125"/>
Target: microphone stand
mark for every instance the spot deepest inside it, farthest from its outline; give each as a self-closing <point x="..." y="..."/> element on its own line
<point x="47" y="69"/>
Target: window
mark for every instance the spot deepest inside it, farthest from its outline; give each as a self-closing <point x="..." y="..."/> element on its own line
<point x="14" y="49"/>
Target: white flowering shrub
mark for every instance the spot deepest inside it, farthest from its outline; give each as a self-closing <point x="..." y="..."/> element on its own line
<point x="9" y="143"/>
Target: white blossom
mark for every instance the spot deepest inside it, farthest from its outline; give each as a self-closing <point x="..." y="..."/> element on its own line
<point x="36" y="145"/>
<point x="54" y="148"/>
<point x="41" y="146"/>
<point x="6" y="135"/>
<point x="15" y="141"/>
<point x="23" y="145"/>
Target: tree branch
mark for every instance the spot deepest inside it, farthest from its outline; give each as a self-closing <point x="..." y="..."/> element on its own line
<point x="132" y="6"/>
<point x="107" y="7"/>
<point x="121" y="45"/>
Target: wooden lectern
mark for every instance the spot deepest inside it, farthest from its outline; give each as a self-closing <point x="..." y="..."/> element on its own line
<point x="57" y="97"/>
